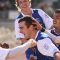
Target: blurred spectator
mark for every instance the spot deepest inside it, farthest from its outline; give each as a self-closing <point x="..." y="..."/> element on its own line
<point x="4" y="5"/>
<point x="0" y="44"/>
<point x="5" y="45"/>
<point x="48" y="9"/>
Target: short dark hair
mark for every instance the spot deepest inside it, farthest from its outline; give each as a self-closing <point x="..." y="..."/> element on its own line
<point x="57" y="11"/>
<point x="28" y="21"/>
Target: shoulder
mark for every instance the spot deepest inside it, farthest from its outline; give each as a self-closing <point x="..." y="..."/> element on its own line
<point x="39" y="10"/>
<point x="41" y="35"/>
<point x="19" y="16"/>
<point x="44" y="35"/>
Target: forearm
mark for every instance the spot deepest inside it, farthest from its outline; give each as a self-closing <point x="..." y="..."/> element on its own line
<point x="53" y="37"/>
<point x="20" y="49"/>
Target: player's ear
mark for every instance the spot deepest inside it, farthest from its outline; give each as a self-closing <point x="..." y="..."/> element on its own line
<point x="33" y="27"/>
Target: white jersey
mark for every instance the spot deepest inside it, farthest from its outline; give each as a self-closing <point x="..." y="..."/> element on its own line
<point x="58" y="37"/>
<point x="3" y="53"/>
<point x="46" y="47"/>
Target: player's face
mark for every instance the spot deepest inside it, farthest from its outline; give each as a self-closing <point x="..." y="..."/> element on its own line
<point x="56" y="21"/>
<point x="23" y="29"/>
<point x="23" y="4"/>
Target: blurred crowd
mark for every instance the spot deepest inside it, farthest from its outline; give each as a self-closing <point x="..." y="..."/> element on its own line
<point x="7" y="38"/>
<point x="4" y="5"/>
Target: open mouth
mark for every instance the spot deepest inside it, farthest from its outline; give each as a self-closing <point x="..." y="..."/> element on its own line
<point x="24" y="6"/>
<point x="54" y="22"/>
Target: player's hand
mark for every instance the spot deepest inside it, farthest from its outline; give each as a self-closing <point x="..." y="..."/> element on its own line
<point x="33" y="43"/>
<point x="33" y="57"/>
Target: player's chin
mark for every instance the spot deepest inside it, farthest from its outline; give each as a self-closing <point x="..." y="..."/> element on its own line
<point x="26" y="36"/>
<point x="55" y="26"/>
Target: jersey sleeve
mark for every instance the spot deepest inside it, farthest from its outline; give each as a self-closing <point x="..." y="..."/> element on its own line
<point x="46" y="19"/>
<point x="20" y="49"/>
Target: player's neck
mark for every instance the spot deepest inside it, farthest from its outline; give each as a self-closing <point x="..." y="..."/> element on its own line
<point x="57" y="30"/>
<point x="33" y="34"/>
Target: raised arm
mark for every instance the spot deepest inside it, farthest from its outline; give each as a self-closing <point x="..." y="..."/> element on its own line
<point x="22" y="48"/>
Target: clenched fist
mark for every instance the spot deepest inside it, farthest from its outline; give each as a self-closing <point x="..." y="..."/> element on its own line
<point x="33" y="42"/>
